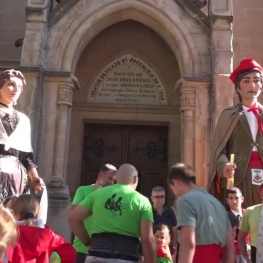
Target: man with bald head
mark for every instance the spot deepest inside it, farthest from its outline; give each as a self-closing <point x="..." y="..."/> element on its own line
<point x="120" y="216"/>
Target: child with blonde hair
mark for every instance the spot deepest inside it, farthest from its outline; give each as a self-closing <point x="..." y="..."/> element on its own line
<point x="37" y="241"/>
<point x="8" y="231"/>
<point x="162" y="239"/>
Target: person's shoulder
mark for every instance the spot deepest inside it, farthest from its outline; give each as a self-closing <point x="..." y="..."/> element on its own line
<point x="252" y="208"/>
<point x="230" y="111"/>
<point x="193" y="193"/>
<point x="106" y="190"/>
<point x="84" y="188"/>
<point x="140" y="197"/>
<point x="231" y="108"/>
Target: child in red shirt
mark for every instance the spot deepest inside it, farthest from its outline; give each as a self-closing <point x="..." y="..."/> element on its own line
<point x="162" y="239"/>
<point x="36" y="241"/>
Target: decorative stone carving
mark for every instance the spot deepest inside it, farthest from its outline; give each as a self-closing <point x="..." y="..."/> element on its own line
<point x="127" y="80"/>
<point x="65" y="94"/>
<point x="199" y="3"/>
<point x="187" y="100"/>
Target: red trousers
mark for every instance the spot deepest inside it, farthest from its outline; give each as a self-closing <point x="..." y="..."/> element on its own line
<point x="207" y="254"/>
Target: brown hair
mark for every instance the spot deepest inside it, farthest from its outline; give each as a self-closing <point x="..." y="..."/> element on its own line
<point x="26" y="207"/>
<point x="163" y="228"/>
<point x="233" y="190"/>
<point x="10" y="199"/>
<point x="182" y="172"/>
<point x="10" y="73"/>
<point x="8" y="230"/>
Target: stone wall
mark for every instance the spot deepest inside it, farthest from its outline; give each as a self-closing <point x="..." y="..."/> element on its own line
<point x="12" y="27"/>
<point x="248" y="32"/>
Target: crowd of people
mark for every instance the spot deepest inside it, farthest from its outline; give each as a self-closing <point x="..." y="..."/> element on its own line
<point x="112" y="222"/>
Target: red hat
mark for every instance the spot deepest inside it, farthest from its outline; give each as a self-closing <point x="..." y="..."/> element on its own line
<point x="246" y="64"/>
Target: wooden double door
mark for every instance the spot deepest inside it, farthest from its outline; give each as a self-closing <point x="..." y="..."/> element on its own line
<point x="145" y="147"/>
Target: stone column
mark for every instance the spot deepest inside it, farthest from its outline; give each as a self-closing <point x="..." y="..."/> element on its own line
<point x="64" y="102"/>
<point x="58" y="191"/>
<point x="187" y="95"/>
<point x="194" y="94"/>
<point x="221" y="13"/>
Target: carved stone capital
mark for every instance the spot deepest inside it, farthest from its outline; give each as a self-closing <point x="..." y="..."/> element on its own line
<point x="187" y="100"/>
<point x="65" y="94"/>
<point x="186" y="87"/>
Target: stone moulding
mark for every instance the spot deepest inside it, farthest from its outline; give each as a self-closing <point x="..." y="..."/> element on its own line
<point x="88" y="24"/>
<point x="60" y="10"/>
<point x="196" y="14"/>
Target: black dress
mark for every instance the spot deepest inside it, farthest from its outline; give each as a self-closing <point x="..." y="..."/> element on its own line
<point x="14" y="164"/>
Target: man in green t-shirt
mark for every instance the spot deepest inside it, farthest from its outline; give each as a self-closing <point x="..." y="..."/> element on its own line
<point x="106" y="176"/>
<point x="120" y="217"/>
<point x="250" y="225"/>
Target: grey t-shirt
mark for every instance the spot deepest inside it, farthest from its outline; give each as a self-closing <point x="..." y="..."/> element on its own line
<point x="206" y="214"/>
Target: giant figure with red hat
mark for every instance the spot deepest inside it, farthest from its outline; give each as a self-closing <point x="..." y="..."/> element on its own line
<point x="239" y="131"/>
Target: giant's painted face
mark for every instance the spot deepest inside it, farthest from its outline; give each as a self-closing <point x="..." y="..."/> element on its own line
<point x="250" y="86"/>
<point x="11" y="90"/>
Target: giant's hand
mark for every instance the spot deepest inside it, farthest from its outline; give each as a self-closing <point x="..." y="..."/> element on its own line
<point x="39" y="185"/>
<point x="36" y="181"/>
<point x="229" y="170"/>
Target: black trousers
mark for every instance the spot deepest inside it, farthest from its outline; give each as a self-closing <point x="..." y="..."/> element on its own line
<point x="253" y="254"/>
<point x="81" y="258"/>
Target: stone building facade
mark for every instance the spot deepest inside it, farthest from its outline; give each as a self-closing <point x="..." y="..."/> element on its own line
<point x="117" y="81"/>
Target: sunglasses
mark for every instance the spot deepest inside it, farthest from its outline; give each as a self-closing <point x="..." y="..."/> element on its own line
<point x="159" y="196"/>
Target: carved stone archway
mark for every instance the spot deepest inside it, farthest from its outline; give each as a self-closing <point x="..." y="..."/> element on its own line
<point x="188" y="49"/>
<point x="89" y="23"/>
<point x="59" y="43"/>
